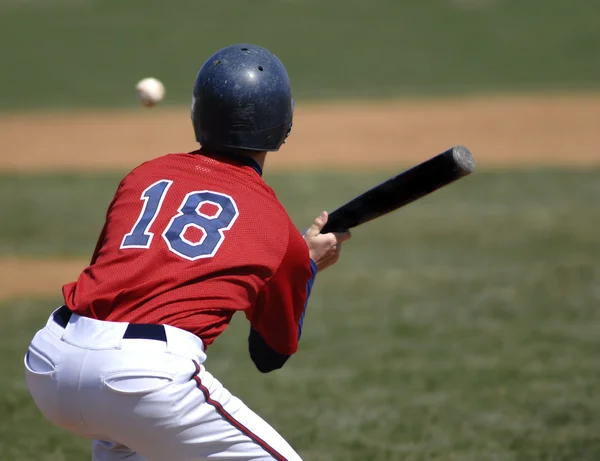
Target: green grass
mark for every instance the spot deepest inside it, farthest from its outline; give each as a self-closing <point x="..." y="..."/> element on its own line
<point x="61" y="215"/>
<point x="63" y="53"/>
<point x="462" y="328"/>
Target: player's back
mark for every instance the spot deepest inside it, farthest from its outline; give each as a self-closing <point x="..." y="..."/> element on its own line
<point x="189" y="239"/>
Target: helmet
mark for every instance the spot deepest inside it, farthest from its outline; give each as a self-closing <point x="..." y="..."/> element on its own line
<point x="242" y="100"/>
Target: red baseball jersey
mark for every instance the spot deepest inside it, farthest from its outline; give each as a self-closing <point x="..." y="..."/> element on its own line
<point x="190" y="239"/>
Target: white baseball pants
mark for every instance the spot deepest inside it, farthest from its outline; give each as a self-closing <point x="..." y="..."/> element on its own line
<point x="142" y="399"/>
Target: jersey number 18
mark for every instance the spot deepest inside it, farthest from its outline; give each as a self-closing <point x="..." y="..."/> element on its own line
<point x="189" y="215"/>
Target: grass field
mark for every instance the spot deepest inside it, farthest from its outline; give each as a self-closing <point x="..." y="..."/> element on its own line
<point x="64" y="53"/>
<point x="463" y="328"/>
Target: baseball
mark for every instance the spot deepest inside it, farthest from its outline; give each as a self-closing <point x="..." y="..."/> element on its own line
<point x="150" y="91"/>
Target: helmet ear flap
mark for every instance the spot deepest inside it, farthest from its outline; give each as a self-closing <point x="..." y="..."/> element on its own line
<point x="288" y="132"/>
<point x="193" y="117"/>
<point x="291" y="123"/>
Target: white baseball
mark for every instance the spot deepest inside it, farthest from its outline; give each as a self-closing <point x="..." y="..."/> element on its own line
<point x="150" y="91"/>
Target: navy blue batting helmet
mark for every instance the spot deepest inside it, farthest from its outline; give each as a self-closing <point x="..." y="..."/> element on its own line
<point x="242" y="100"/>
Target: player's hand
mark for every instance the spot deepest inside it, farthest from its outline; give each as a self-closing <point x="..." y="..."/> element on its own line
<point x="324" y="249"/>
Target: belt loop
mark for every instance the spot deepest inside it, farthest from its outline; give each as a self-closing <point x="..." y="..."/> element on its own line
<point x="184" y="343"/>
<point x="54" y="324"/>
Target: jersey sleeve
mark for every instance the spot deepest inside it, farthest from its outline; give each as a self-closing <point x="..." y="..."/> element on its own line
<point x="277" y="315"/>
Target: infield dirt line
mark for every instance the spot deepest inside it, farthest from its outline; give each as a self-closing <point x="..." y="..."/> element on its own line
<point x="501" y="131"/>
<point x="31" y="278"/>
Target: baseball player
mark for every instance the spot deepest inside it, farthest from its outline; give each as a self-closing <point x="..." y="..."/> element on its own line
<point x="189" y="240"/>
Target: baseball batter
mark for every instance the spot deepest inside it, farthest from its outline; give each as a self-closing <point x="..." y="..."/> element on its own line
<point x="189" y="240"/>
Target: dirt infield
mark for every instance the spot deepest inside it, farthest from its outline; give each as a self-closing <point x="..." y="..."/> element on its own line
<point x="48" y="276"/>
<point x="500" y="131"/>
<point x="557" y="130"/>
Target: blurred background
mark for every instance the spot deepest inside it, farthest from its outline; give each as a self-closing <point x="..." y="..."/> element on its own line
<point x="464" y="327"/>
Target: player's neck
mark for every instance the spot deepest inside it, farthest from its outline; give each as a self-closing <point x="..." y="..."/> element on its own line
<point x="258" y="157"/>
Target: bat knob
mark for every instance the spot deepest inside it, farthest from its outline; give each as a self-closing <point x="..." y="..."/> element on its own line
<point x="463" y="159"/>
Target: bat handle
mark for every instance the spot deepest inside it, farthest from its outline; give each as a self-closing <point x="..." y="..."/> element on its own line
<point x="332" y="226"/>
<point x="327" y="229"/>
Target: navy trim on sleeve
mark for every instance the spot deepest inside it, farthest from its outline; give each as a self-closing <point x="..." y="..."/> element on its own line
<point x="265" y="358"/>
<point x="309" y="285"/>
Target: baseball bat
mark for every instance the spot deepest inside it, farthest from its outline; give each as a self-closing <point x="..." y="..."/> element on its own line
<point x="405" y="188"/>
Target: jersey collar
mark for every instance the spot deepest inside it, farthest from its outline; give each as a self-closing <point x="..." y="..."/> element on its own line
<point x="242" y="159"/>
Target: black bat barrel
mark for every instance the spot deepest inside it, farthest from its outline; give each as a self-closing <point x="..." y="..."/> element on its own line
<point x="403" y="189"/>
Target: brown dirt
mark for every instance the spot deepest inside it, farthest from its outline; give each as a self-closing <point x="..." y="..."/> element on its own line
<point x="507" y="131"/>
<point x="30" y="277"/>
<point x="500" y="131"/>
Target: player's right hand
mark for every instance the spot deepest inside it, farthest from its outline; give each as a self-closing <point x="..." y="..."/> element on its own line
<point x="324" y="249"/>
